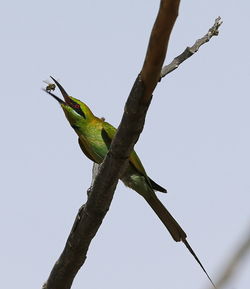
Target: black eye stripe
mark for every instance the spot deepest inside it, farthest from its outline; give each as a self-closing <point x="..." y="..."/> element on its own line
<point x="77" y="108"/>
<point x="79" y="111"/>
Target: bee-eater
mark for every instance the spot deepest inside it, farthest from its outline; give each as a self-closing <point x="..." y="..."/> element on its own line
<point x="94" y="137"/>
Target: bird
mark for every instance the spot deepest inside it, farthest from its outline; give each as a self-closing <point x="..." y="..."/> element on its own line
<point x="94" y="137"/>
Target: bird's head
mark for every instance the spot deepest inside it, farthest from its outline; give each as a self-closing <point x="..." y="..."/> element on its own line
<point x="76" y="111"/>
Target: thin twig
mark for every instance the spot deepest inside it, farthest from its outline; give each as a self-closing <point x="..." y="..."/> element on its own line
<point x="189" y="51"/>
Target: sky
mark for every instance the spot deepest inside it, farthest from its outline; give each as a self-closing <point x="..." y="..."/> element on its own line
<point x="195" y="142"/>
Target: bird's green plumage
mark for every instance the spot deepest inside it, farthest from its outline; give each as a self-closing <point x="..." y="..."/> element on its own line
<point x="94" y="137"/>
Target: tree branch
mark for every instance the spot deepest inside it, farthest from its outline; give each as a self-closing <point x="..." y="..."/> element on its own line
<point x="158" y="44"/>
<point x="90" y="215"/>
<point x="189" y="51"/>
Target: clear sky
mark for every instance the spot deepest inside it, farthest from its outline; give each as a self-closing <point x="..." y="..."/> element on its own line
<point x="195" y="142"/>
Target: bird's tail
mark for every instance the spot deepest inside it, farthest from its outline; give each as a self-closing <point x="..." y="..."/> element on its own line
<point x="167" y="219"/>
<point x="173" y="227"/>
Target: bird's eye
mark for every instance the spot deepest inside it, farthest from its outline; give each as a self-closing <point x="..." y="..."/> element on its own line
<point x="78" y="109"/>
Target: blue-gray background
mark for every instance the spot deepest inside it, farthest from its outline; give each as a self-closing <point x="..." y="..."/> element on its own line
<point x="195" y="142"/>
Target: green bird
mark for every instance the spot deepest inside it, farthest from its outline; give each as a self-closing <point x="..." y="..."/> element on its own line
<point x="94" y="137"/>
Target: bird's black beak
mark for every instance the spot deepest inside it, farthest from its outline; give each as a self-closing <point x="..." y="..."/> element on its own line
<point x="53" y="95"/>
<point x="63" y="92"/>
<point x="67" y="100"/>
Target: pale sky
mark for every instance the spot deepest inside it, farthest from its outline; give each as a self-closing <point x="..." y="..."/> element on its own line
<point x="195" y="142"/>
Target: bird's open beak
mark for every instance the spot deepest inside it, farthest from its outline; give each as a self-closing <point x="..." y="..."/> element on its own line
<point x="67" y="100"/>
<point x="63" y="92"/>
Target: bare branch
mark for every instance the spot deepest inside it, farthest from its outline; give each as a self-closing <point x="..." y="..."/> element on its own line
<point x="90" y="215"/>
<point x="189" y="51"/>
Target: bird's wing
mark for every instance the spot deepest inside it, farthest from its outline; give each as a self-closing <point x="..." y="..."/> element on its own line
<point x="85" y="150"/>
<point x="108" y="134"/>
<point x="136" y="162"/>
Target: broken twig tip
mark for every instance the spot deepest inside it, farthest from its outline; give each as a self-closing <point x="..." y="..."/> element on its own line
<point x="214" y="31"/>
